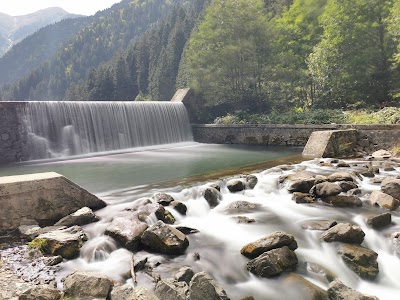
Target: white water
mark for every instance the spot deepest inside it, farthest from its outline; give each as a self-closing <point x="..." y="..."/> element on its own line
<point x="62" y="129"/>
<point x="221" y="238"/>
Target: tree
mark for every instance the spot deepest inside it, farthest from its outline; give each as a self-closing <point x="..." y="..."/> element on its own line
<point x="350" y="66"/>
<point x="227" y="55"/>
<point x="394" y="29"/>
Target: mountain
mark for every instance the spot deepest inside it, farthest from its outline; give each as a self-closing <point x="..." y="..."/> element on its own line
<point x="13" y="29"/>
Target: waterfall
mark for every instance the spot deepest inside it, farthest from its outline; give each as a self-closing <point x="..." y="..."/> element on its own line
<point x="58" y="129"/>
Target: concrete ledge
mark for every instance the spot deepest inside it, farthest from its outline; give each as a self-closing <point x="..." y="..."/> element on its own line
<point x="43" y="197"/>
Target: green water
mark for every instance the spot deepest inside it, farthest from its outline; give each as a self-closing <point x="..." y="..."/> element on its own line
<point x="105" y="173"/>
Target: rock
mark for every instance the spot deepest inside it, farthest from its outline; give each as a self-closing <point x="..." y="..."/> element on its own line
<point x="171" y="289"/>
<point x="242" y="207"/>
<point x="216" y="185"/>
<point x="122" y="292"/>
<point x="164" y="215"/>
<point x="343" y="201"/>
<point x="354" y="192"/>
<point x="184" y="274"/>
<point x="212" y="196"/>
<point x="163" y="199"/>
<point x="41" y="293"/>
<point x="81" y="217"/>
<point x="381" y="154"/>
<point x="251" y="181"/>
<point x="391" y="186"/>
<point x="342" y="164"/>
<point x="360" y="260"/>
<point x="320" y="178"/>
<point x="379" y="221"/>
<point x="163" y="238"/>
<point x="273" y="262"/>
<point x="140" y="293"/>
<point x="89" y="285"/>
<point x="326" y="189"/>
<point x="383" y="200"/>
<point x="29" y="232"/>
<point x="340" y="176"/>
<point x="179" y="207"/>
<point x="376" y="180"/>
<point x="304" y="288"/>
<point x="345" y="233"/>
<point x="301" y="198"/>
<point x="235" y="185"/>
<point x="319" y="224"/>
<point x="127" y="232"/>
<point x="338" y="291"/>
<point x="347" y="185"/>
<point x="244" y="219"/>
<point x="202" y="287"/>
<point x="274" y="240"/>
<point x="370" y="173"/>
<point x="187" y="230"/>
<point x="301" y="181"/>
<point x="52" y="260"/>
<point x="64" y="242"/>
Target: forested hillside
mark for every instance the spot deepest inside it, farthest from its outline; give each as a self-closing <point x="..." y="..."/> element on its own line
<point x="239" y="56"/>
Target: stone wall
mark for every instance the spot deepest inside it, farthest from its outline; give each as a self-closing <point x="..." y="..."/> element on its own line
<point x="13" y="133"/>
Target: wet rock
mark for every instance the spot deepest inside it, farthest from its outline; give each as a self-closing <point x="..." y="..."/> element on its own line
<point x="345" y="233"/>
<point x="163" y="238"/>
<point x="304" y="288"/>
<point x="376" y="180"/>
<point x="274" y="240"/>
<point x="171" y="289"/>
<point x="29" y="232"/>
<point x="242" y="207"/>
<point x="251" y="181"/>
<point x="41" y="293"/>
<point x="235" y="185"/>
<point x="164" y="215"/>
<point x="319" y="224"/>
<point x="179" y="207"/>
<point x="212" y="196"/>
<point x="320" y="178"/>
<point x="342" y="164"/>
<point x="127" y="232"/>
<point x="320" y="271"/>
<point x="340" y="176"/>
<point x="326" y="189"/>
<point x="216" y="185"/>
<point x="379" y="221"/>
<point x="141" y="293"/>
<point x="87" y="285"/>
<point x="360" y="260"/>
<point x="301" y="181"/>
<point x="383" y="200"/>
<point x="326" y="164"/>
<point x="391" y="186"/>
<point x="122" y="292"/>
<point x="247" y="298"/>
<point x="273" y="263"/>
<point x="301" y="198"/>
<point x="338" y="291"/>
<point x="184" y="274"/>
<point x="343" y="201"/>
<point x="163" y="199"/>
<point x="354" y="192"/>
<point x="370" y="173"/>
<point x="202" y="287"/>
<point x="381" y="154"/>
<point x="347" y="185"/>
<point x="52" y="260"/>
<point x="244" y="220"/>
<point x="81" y="217"/>
<point x="33" y="253"/>
<point x="64" y="242"/>
<point x="187" y="230"/>
<point x="388" y="168"/>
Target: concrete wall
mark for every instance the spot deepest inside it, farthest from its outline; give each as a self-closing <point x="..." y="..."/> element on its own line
<point x="13" y="133"/>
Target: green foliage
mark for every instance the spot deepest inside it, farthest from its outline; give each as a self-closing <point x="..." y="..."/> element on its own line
<point x="38" y="243"/>
<point x="387" y="115"/>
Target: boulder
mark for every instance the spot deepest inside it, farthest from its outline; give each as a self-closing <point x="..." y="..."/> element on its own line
<point x="171" y="289"/>
<point x="273" y="263"/>
<point x="251" y="181"/>
<point x="347" y="185"/>
<point x="326" y="189"/>
<point x="87" y="285"/>
<point x="184" y="274"/>
<point x="340" y="176"/>
<point x="345" y="233"/>
<point x="391" y="186"/>
<point x="141" y="293"/>
<point x="202" y="287"/>
<point x="383" y="200"/>
<point x="318" y="224"/>
<point x="381" y="154"/>
<point x="64" y="242"/>
<point x="52" y="260"/>
<point x="41" y="292"/>
<point x="127" y="232"/>
<point x="274" y="240"/>
<point x="304" y="288"/>
<point x="379" y="221"/>
<point x="342" y="164"/>
<point x="235" y="185"/>
<point x="187" y="230"/>
<point x="360" y="260"/>
<point x="163" y="198"/>
<point x="301" y="181"/>
<point x="164" y="215"/>
<point x="122" y="292"/>
<point x="81" y="217"/>
<point x="244" y="220"/>
<point x="163" y="238"/>
<point x="338" y="291"/>
<point x="301" y="198"/>
<point x="179" y="207"/>
<point x="343" y="201"/>
<point x="242" y="207"/>
<point x="44" y="197"/>
<point x="212" y="196"/>
<point x="29" y="232"/>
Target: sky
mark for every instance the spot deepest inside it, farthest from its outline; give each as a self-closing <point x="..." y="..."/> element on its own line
<point x="82" y="7"/>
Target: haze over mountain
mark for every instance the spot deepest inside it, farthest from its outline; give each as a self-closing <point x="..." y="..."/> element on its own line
<point x="13" y="29"/>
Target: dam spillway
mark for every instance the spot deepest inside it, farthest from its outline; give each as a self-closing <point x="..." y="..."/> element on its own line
<point x="59" y="129"/>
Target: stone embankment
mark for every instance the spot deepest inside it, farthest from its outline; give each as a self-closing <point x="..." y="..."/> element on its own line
<point x="267" y="257"/>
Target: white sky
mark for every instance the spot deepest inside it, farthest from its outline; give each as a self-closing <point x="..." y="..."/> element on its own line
<point x="83" y="7"/>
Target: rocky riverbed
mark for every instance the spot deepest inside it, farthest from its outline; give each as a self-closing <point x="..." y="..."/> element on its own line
<point x="321" y="229"/>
